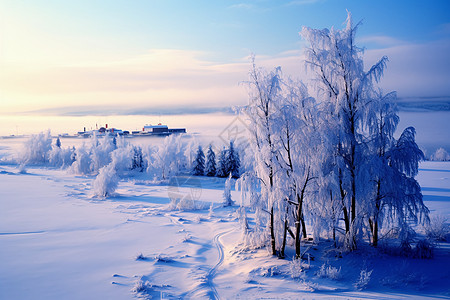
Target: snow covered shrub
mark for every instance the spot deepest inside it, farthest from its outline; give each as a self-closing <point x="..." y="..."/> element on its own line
<point x="364" y="279"/>
<point x="141" y="256"/>
<point x="101" y="152"/>
<point x="295" y="268"/>
<point x="168" y="159"/>
<point x="227" y="201"/>
<point x="211" y="210"/>
<point x="106" y="181"/>
<point x="22" y="168"/>
<point x="184" y="192"/>
<point x="328" y="271"/>
<point x="184" y="204"/>
<point x="406" y="237"/>
<point x="36" y="149"/>
<point x="82" y="161"/>
<point x="424" y="249"/>
<point x="271" y="271"/>
<point x="61" y="157"/>
<point x="143" y="288"/>
<point x="138" y="159"/>
<point x="254" y="239"/>
<point x="242" y="217"/>
<point x="440" y="155"/>
<point x="163" y="258"/>
<point x="187" y="238"/>
<point x="122" y="159"/>
<point x="438" y="228"/>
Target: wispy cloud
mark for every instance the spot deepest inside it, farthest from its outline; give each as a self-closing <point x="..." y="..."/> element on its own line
<point x="162" y="80"/>
<point x="117" y="110"/>
<point x="415" y="70"/>
<point x="173" y="81"/>
<point x="303" y="2"/>
<point x="380" y="40"/>
<point x="242" y="6"/>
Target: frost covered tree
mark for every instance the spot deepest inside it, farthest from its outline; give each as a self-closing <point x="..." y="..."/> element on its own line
<point x="332" y="159"/>
<point x="284" y="143"/>
<point x="106" y="181"/>
<point x="227" y="201"/>
<point x="261" y="111"/>
<point x="441" y="155"/>
<point x="168" y="159"/>
<point x="338" y="67"/>
<point x="122" y="159"/>
<point x="365" y="158"/>
<point x="222" y="166"/>
<point x="210" y="168"/>
<point x="61" y="157"/>
<point x="298" y="143"/>
<point x="138" y="159"/>
<point x="36" y="149"/>
<point x="101" y="152"/>
<point x="232" y="161"/>
<point x="199" y="163"/>
<point x="402" y="199"/>
<point x="82" y="161"/>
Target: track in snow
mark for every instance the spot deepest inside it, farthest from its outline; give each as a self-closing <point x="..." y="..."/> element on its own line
<point x="212" y="273"/>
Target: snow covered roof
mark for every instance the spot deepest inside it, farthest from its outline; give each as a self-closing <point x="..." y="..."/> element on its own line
<point x="155" y="126"/>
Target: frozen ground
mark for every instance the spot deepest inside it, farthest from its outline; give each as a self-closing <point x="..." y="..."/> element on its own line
<point x="58" y="242"/>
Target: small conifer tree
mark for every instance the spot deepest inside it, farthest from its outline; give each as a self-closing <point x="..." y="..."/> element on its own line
<point x="210" y="169"/>
<point x="199" y="162"/>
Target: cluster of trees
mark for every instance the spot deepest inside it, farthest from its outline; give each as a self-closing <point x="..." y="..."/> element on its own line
<point x="329" y="164"/>
<point x="440" y="155"/>
<point x="228" y="162"/>
<point x="111" y="158"/>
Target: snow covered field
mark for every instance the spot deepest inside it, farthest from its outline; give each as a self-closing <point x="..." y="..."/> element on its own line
<point x="59" y="242"/>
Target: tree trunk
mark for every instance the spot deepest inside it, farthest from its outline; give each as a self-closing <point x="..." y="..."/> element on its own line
<point x="375" y="233"/>
<point x="344" y="208"/>
<point x="297" y="226"/>
<point x="333" y="219"/>
<point x="375" y="219"/>
<point x="272" y="233"/>
<point x="303" y="227"/>
<point x="283" y="245"/>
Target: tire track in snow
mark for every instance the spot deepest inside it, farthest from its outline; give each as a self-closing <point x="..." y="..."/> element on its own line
<point x="212" y="272"/>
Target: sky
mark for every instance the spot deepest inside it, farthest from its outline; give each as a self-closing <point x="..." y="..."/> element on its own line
<point x="92" y="57"/>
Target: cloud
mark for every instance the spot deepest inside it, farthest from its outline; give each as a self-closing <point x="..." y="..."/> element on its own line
<point x="161" y="76"/>
<point x="176" y="81"/>
<point x="242" y="6"/>
<point x="161" y="79"/>
<point x="415" y="70"/>
<point x="380" y="41"/>
<point x="303" y="2"/>
<point x="117" y="110"/>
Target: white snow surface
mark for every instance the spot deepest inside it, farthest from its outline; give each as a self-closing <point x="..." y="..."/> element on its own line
<point x="58" y="241"/>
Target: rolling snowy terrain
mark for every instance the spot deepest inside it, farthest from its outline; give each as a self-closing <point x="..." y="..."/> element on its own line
<point x="59" y="241"/>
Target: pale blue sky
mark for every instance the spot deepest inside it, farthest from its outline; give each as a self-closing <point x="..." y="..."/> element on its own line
<point x="90" y="56"/>
<point x="226" y="29"/>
